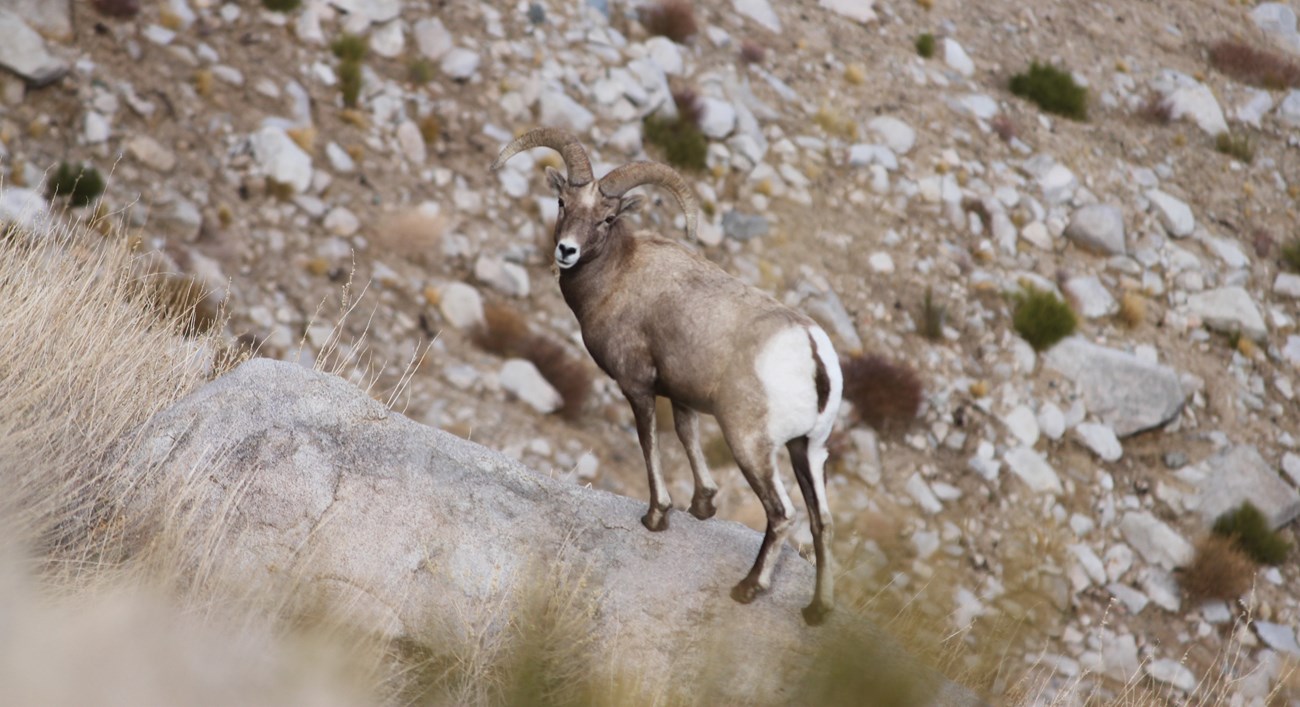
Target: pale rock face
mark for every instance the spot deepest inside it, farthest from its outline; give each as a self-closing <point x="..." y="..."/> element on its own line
<point x="281" y="159"/>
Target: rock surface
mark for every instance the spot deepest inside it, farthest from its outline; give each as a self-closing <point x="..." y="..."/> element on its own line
<point x="422" y="525"/>
<point x="1128" y="394"/>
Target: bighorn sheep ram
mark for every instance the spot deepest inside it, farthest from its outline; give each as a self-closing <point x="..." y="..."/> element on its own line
<point x="663" y="321"/>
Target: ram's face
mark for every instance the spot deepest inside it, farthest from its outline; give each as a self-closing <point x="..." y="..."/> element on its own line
<point x="585" y="220"/>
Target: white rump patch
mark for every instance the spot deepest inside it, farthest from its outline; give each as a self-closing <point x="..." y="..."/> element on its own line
<point x="786" y="368"/>
<point x="831" y="362"/>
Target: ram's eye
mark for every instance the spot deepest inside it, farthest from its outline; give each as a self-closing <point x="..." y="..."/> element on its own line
<point x="561" y="203"/>
<point x="609" y="220"/>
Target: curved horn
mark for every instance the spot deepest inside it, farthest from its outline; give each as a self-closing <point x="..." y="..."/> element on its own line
<point x="635" y="174"/>
<point x="562" y="141"/>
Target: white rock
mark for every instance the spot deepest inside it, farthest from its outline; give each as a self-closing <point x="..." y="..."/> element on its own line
<point x="560" y="111"/>
<point x="921" y="493"/>
<point x="759" y="11"/>
<point x="881" y="262"/>
<point x="1091" y="297"/>
<point x="521" y="378"/>
<point x="1287" y="284"/>
<point x="341" y="221"/>
<point x="1289" y="110"/>
<point x="25" y="208"/>
<point x="1197" y="103"/>
<point x="1099" y="228"/>
<point x="507" y="277"/>
<point x="1058" y="184"/>
<point x="897" y="135"/>
<point x="461" y="305"/>
<point x="1229" y="310"/>
<point x="459" y="64"/>
<point x="1172" y="673"/>
<point x="1101" y="440"/>
<point x="95" y="128"/>
<point x="1023" y="425"/>
<point x="1155" y="541"/>
<point x="280" y="158"/>
<point x="151" y="153"/>
<point x="1051" y="421"/>
<point x="1034" y="470"/>
<point x="1132" y="599"/>
<point x="956" y="58"/>
<point x="411" y="142"/>
<point x="862" y="155"/>
<point x="977" y="105"/>
<point x="339" y="158"/>
<point x="1037" y="235"/>
<point x="307" y="26"/>
<point x="432" y="37"/>
<point x="1256" y="106"/>
<point x="1090" y="563"/>
<point x="388" y="40"/>
<point x="1279" y="637"/>
<point x="856" y="10"/>
<point x="1279" y="21"/>
<point x="1175" y="215"/>
<point x="718" y="120"/>
<point x="667" y="54"/>
<point x="1291" y="465"/>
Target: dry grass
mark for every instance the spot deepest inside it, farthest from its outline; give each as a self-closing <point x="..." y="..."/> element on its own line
<point x="1132" y="309"/>
<point x="1219" y="570"/>
<point x="414" y="234"/>
<point x="885" y="395"/>
<point x="506" y="333"/>
<point x="1258" y="67"/>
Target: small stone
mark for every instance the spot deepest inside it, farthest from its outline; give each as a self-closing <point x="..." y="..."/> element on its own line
<point x="1098" y="228"/>
<point x="1132" y="599"/>
<point x="1230" y="310"/>
<point x="921" y="493"/>
<point x="1236" y="475"/>
<point x="151" y="153"/>
<point x="281" y="159"/>
<point x="388" y="40"/>
<point x="1172" y="673"/>
<point x="857" y="10"/>
<point x="461" y="305"/>
<point x="411" y="142"/>
<point x="1101" y="440"/>
<point x="718" y="119"/>
<point x="897" y="135"/>
<point x="744" y="227"/>
<point x="459" y="64"/>
<point x="503" y="275"/>
<point x="1197" y="103"/>
<point x="863" y="155"/>
<point x="1051" y="421"/>
<point x="1033" y="469"/>
<point x="1155" y="541"/>
<point x="95" y="128"/>
<point x="1090" y="297"/>
<point x="881" y="262"/>
<point x="759" y="11"/>
<point x="339" y="158"/>
<point x="1278" y="637"/>
<point x="1023" y="425"/>
<point x="342" y="222"/>
<point x="520" y="378"/>
<point x="433" y="38"/>
<point x="558" y="110"/>
<point x="1175" y="215"/>
<point x="667" y="54"/>
<point x="956" y="58"/>
<point x="1287" y="284"/>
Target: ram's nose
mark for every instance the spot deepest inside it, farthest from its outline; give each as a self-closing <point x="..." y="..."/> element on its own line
<point x="566" y="254"/>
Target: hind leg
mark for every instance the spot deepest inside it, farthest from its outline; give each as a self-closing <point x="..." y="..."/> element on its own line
<point x="688" y="431"/>
<point x="757" y="458"/>
<point x="809" y="461"/>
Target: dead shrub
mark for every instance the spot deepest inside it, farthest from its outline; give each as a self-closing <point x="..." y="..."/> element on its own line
<point x="1003" y="127"/>
<point x="1156" y="109"/>
<point x="414" y="234"/>
<point x="506" y="333"/>
<point x="1219" y="570"/>
<point x="1258" y="67"/>
<point x="885" y="395"/>
<point x="674" y="19"/>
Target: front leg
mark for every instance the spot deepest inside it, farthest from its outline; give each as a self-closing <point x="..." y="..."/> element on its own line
<point x="688" y="431"/>
<point x="643" y="409"/>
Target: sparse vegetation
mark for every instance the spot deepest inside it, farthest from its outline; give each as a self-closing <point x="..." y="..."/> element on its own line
<point x="350" y="47"/>
<point x="1053" y="90"/>
<point x="1248" y="529"/>
<point x="885" y="395"/>
<point x="925" y="45"/>
<point x="932" y="317"/>
<point x="350" y="83"/>
<point x="1258" y="67"/>
<point x="1042" y="318"/>
<point x="117" y="8"/>
<point x="683" y="144"/>
<point x="674" y="19"/>
<point x="1290" y="252"/>
<point x="1004" y="127"/>
<point x="1156" y="109"/>
<point x="1132" y="309"/>
<point x="506" y="333"/>
<point x="1238" y="147"/>
<point x="752" y="52"/>
<point x="81" y="183"/>
<point x="281" y="5"/>
<point x="1219" y="570"/>
<point x="420" y="71"/>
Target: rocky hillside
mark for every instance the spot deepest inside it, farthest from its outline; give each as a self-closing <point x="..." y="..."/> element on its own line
<point x="1044" y="512"/>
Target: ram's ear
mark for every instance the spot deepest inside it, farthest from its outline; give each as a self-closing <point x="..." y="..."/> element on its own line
<point x="557" y="180"/>
<point x="630" y="204"/>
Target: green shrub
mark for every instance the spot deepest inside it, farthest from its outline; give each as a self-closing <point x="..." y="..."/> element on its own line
<point x="680" y="138"/>
<point x="1291" y="254"/>
<point x="350" y="47"/>
<point x="1053" y="89"/>
<point x="1042" y="318"/>
<point x="350" y="82"/>
<point x="1238" y="148"/>
<point x="932" y="316"/>
<point x="925" y="45"/>
<point x="1248" y="528"/>
<point x="281" y="5"/>
<point x="82" y="184"/>
<point x="420" y="71"/>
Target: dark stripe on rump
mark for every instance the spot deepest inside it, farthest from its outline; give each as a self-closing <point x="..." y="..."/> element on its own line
<point x="822" y="381"/>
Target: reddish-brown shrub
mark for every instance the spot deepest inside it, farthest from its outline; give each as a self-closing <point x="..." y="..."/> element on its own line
<point x="117" y="8"/>
<point x="1003" y="127"/>
<point x="1259" y="67"/>
<point x="1219" y="570"/>
<point x="674" y="19"/>
<point x="1156" y="109"/>
<point x="885" y="395"/>
<point x="752" y="52"/>
<point x="506" y="333"/>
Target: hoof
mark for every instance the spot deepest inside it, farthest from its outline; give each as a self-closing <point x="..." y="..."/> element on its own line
<point x="815" y="613"/>
<point x="702" y="506"/>
<point x="745" y="592"/>
<point x="655" y="520"/>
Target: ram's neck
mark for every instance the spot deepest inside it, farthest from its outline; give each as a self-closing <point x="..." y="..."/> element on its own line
<point x="585" y="286"/>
